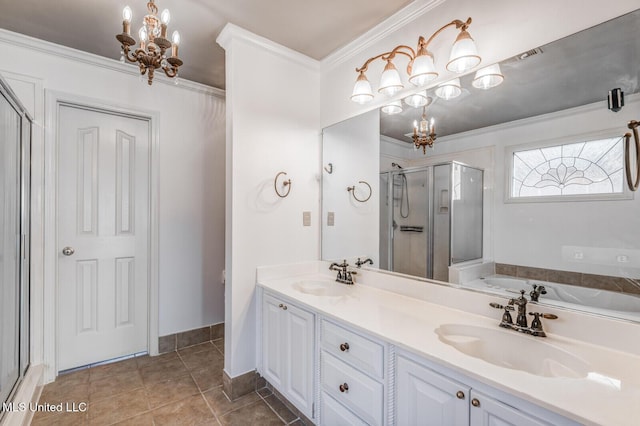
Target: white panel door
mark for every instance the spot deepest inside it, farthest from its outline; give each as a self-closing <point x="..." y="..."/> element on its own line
<point x="273" y="352"/>
<point x="300" y="347"/>
<point x="103" y="236"/>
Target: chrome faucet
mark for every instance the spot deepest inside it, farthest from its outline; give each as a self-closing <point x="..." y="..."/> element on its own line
<point x="359" y="262"/>
<point x="536" y="292"/>
<point x="521" y="320"/>
<point x="344" y="275"/>
<point x="521" y="303"/>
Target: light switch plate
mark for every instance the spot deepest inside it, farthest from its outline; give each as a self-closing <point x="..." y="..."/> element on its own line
<point x="331" y="216"/>
<point x="306" y="218"/>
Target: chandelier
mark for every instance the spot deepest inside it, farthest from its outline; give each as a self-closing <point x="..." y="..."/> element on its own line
<point x="424" y="133"/>
<point x="151" y="54"/>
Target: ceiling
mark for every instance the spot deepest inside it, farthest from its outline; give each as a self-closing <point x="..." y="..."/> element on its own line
<point x="314" y="28"/>
<point x="577" y="70"/>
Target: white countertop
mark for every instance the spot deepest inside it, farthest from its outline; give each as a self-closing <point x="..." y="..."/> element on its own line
<point x="609" y="395"/>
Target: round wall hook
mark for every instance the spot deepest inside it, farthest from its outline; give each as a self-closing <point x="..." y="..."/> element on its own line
<point x="632" y="182"/>
<point x="286" y="183"/>
<point x="352" y="190"/>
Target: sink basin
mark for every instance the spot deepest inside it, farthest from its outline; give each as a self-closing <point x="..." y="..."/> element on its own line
<point x="322" y="288"/>
<point x="513" y="350"/>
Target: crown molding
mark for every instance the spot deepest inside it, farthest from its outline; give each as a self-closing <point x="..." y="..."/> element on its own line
<point x="21" y="40"/>
<point x="396" y="21"/>
<point x="233" y="32"/>
<point x="393" y="141"/>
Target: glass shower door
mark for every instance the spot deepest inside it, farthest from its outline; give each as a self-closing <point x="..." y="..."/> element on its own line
<point x="9" y="247"/>
<point x="410" y="223"/>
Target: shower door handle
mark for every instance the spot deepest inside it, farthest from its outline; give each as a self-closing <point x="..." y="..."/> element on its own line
<point x="68" y="251"/>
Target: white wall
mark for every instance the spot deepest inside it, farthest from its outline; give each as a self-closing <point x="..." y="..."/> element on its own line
<point x="501" y="29"/>
<point x="191" y="136"/>
<point x="273" y="125"/>
<point x="353" y="147"/>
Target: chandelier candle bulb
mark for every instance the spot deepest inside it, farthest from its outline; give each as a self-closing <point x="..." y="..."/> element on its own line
<point x="175" y="40"/>
<point x="164" y="18"/>
<point x="126" y="20"/>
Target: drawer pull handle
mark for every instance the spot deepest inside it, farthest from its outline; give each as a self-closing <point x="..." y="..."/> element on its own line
<point x="344" y="347"/>
<point x="344" y="387"/>
<point x="475" y="402"/>
<point x="460" y="395"/>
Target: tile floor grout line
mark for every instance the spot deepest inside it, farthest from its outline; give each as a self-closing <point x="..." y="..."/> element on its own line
<point x="273" y="409"/>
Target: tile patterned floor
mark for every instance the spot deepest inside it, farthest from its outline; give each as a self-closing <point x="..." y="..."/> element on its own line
<point x="183" y="387"/>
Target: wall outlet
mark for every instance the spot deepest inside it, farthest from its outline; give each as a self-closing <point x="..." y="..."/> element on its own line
<point x="306" y="218"/>
<point x="331" y="216"/>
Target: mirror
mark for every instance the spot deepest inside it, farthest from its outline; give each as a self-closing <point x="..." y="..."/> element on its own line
<point x="540" y="162"/>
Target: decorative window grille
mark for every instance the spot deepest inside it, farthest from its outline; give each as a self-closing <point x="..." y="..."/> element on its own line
<point x="584" y="170"/>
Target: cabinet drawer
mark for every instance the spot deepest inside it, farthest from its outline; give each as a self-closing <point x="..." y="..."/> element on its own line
<point x="362" y="353"/>
<point x="332" y="413"/>
<point x="364" y="395"/>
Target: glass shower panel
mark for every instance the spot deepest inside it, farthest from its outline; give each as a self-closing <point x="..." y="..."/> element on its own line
<point x="9" y="246"/>
<point x="441" y="221"/>
<point x="466" y="217"/>
<point x="410" y="223"/>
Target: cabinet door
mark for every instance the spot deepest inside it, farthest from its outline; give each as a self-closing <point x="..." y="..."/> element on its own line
<point x="299" y="358"/>
<point x="273" y="336"/>
<point x="424" y="397"/>
<point x="486" y="411"/>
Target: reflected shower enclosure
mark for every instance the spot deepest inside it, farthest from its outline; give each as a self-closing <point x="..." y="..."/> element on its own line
<point x="430" y="218"/>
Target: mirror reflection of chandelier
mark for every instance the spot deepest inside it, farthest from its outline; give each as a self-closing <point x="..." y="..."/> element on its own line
<point x="424" y="133"/>
<point x="151" y="55"/>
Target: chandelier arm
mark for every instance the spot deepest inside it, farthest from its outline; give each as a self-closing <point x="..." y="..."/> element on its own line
<point x="170" y="71"/>
<point x="128" y="54"/>
<point x="458" y="24"/>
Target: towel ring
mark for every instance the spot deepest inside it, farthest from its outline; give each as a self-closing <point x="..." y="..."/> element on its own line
<point x="286" y="183"/>
<point x="633" y="183"/>
<point x="352" y="190"/>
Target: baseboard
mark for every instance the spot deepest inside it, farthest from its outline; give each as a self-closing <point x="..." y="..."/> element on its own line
<point x="28" y="393"/>
<point x="238" y="386"/>
<point x="172" y="342"/>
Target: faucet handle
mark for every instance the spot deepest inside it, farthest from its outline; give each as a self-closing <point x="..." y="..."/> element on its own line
<point x="496" y="305"/>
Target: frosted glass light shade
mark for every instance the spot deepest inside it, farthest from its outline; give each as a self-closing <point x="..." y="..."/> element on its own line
<point x="464" y="54"/>
<point x="418" y="99"/>
<point x="362" y="92"/>
<point x="488" y="77"/>
<point x="394" y="107"/>
<point x="390" y="81"/>
<point x="423" y="69"/>
<point x="449" y="89"/>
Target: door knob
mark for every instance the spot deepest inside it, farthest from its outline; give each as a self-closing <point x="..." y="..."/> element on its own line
<point x="68" y="251"/>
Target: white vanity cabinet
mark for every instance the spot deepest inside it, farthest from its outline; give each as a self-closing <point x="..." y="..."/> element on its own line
<point x="288" y="341"/>
<point x="427" y="397"/>
<point x="352" y="377"/>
